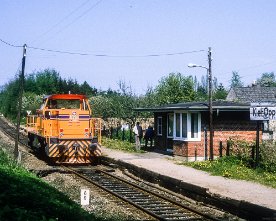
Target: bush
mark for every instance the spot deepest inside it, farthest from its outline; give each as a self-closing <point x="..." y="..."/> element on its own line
<point x="268" y="156"/>
<point x="242" y="150"/>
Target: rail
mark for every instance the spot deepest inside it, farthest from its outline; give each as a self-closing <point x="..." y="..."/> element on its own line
<point x="154" y="204"/>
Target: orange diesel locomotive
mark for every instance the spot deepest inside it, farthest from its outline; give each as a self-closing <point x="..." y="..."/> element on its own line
<point x="65" y="130"/>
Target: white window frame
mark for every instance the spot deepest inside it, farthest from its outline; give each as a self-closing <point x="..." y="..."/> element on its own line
<point x="189" y="133"/>
<point x="168" y="136"/>
<point x="159" y="126"/>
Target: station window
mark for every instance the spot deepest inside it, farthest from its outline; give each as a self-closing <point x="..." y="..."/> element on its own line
<point x="186" y="126"/>
<point x="170" y="124"/>
<point x="159" y="126"/>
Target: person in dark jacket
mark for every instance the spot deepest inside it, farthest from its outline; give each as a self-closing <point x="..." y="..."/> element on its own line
<point x="149" y="136"/>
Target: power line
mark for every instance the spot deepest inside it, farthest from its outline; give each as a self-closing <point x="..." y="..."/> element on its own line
<point x="80" y="16"/>
<point x="15" y="46"/>
<point x="105" y="55"/>
<point x="115" y="56"/>
<point x="76" y="19"/>
<point x="249" y="67"/>
<point x="61" y="20"/>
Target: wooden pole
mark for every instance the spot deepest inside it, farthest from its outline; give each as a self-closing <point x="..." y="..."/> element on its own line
<point x="21" y="88"/>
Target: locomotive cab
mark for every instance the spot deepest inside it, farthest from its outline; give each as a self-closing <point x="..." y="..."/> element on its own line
<point x="65" y="129"/>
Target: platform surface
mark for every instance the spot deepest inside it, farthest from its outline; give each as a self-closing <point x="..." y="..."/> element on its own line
<point x="167" y="165"/>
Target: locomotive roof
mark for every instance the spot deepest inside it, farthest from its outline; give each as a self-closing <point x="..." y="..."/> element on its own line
<point x="65" y="97"/>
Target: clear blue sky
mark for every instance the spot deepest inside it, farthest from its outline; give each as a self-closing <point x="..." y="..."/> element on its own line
<point x="242" y="35"/>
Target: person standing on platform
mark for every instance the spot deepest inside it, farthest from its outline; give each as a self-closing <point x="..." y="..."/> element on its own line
<point x="138" y="136"/>
<point x="149" y="136"/>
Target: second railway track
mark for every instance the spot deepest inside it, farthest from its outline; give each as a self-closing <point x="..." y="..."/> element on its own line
<point x="154" y="204"/>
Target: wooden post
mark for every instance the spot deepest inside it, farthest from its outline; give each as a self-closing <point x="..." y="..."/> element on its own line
<point x="205" y="144"/>
<point x="123" y="135"/>
<point x="228" y="148"/>
<point x="258" y="144"/>
<point x="111" y="132"/>
<point x="220" y="149"/>
<point x="130" y="134"/>
<point x="253" y="155"/>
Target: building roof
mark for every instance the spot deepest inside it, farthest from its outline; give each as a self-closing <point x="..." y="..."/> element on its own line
<point x="199" y="106"/>
<point x="256" y="94"/>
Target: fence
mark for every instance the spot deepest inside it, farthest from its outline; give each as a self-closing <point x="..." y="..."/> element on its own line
<point x="119" y="133"/>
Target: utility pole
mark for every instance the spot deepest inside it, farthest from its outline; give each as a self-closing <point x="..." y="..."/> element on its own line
<point x="21" y="87"/>
<point x="210" y="103"/>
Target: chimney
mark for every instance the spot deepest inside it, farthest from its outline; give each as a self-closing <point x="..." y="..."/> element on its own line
<point x="254" y="83"/>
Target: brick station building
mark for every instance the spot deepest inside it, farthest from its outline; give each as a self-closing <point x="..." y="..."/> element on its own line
<point x="183" y="128"/>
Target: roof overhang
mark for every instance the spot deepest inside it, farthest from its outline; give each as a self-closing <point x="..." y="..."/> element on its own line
<point x="198" y="106"/>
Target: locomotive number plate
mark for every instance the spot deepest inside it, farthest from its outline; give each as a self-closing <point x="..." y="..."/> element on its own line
<point x="74" y="116"/>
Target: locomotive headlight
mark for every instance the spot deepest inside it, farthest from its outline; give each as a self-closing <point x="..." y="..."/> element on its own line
<point x="86" y="132"/>
<point x="60" y="132"/>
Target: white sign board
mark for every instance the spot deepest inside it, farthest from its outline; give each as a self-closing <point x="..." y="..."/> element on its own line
<point x="85" y="197"/>
<point x="263" y="113"/>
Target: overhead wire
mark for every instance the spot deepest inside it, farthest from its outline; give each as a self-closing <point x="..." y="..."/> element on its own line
<point x="61" y="20"/>
<point x="9" y="44"/>
<point x="80" y="16"/>
<point x="115" y="56"/>
<point x="127" y="56"/>
<point x="76" y="19"/>
<point x="249" y="67"/>
<point x="104" y="55"/>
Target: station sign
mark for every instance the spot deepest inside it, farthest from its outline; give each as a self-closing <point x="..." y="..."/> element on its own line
<point x="262" y="112"/>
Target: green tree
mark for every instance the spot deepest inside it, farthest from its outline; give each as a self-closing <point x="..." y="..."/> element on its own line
<point x="267" y="80"/>
<point x="202" y="89"/>
<point x="47" y="81"/>
<point x="220" y="93"/>
<point x="116" y="104"/>
<point x="9" y="99"/>
<point x="31" y="102"/>
<point x="175" y="88"/>
<point x="86" y="89"/>
<point x="236" y="80"/>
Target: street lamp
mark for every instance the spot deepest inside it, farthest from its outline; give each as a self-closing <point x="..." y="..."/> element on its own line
<point x="209" y="71"/>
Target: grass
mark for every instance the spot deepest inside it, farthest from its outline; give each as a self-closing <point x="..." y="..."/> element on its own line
<point x="23" y="196"/>
<point x="119" y="145"/>
<point x="232" y="167"/>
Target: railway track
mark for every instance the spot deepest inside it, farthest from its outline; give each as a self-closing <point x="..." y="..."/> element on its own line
<point x="146" y="200"/>
<point x="141" y="196"/>
<point x="11" y="132"/>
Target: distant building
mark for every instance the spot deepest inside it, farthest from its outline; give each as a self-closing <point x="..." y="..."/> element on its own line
<point x="254" y="94"/>
<point x="257" y="94"/>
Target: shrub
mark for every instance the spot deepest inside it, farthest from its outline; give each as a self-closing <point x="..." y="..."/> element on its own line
<point x="268" y="156"/>
<point x="242" y="150"/>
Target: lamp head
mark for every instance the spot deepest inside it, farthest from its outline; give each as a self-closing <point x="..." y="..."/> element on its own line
<point x="192" y="65"/>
